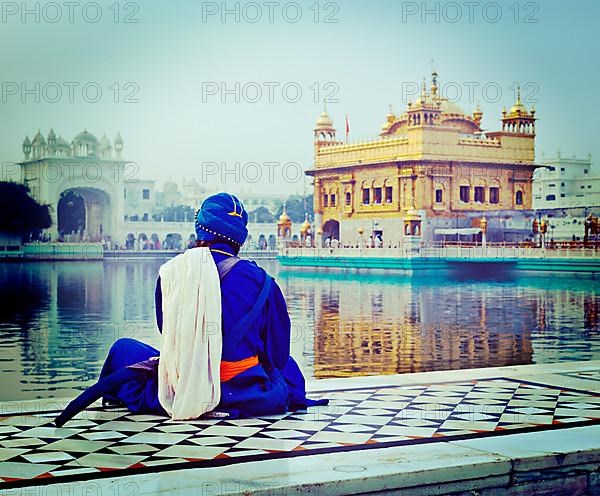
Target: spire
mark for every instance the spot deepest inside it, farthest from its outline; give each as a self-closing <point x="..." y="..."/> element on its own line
<point x="434" y="88"/>
<point x="390" y="118"/>
<point x="324" y="130"/>
<point x="284" y="218"/>
<point x="478" y="114"/>
<point x="119" y="145"/>
<point x="305" y="225"/>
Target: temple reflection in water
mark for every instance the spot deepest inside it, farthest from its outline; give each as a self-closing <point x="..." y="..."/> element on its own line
<point x="58" y="321"/>
<point x="371" y="324"/>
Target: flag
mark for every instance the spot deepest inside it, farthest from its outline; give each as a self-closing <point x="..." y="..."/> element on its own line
<point x="347" y="128"/>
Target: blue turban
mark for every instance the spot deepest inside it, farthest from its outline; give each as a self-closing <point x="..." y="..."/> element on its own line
<point x="222" y="216"/>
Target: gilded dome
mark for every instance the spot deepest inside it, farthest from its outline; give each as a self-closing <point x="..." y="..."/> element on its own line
<point x="284" y="218"/>
<point x="518" y="108"/>
<point x="305" y="227"/>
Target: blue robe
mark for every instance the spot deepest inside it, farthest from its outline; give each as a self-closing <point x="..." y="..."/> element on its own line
<point x="273" y="386"/>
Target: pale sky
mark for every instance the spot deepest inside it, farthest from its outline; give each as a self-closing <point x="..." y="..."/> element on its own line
<point x="364" y="60"/>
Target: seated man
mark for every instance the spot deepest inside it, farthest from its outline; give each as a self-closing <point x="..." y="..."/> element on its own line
<point x="257" y="374"/>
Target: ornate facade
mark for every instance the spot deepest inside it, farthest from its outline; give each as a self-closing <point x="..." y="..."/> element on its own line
<point x="433" y="162"/>
<point x="87" y="175"/>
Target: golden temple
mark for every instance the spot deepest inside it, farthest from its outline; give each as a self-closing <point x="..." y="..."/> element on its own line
<point x="434" y="163"/>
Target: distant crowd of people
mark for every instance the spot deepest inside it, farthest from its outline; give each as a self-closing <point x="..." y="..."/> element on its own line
<point x="375" y="241"/>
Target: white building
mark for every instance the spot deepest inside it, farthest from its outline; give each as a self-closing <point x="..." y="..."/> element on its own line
<point x="566" y="183"/>
<point x="91" y="189"/>
<point x="95" y="194"/>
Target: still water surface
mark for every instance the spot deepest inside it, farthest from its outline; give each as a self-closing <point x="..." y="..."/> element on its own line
<point x="58" y="320"/>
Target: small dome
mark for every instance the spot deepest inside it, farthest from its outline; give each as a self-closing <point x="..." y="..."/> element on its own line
<point x="324" y="121"/>
<point x="104" y="142"/>
<point x="26" y="141"/>
<point x="305" y="227"/>
<point x="390" y="118"/>
<point x="449" y="107"/>
<point x="51" y="135"/>
<point x="518" y="108"/>
<point x="118" y="139"/>
<point x="61" y="142"/>
<point x="85" y="137"/>
<point x="284" y="218"/>
<point x="38" y="139"/>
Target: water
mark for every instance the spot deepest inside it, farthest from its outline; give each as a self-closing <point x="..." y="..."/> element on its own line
<point x="58" y="320"/>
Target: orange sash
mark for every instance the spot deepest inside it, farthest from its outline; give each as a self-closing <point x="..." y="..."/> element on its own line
<point x="230" y="369"/>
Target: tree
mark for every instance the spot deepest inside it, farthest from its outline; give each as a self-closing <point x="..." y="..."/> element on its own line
<point x="20" y="213"/>
<point x="262" y="215"/>
<point x="296" y="206"/>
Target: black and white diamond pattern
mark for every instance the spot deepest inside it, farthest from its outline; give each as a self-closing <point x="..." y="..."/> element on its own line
<point x="593" y="375"/>
<point x="99" y="442"/>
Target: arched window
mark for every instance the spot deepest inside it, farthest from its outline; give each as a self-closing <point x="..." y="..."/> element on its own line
<point x="366" y="194"/>
<point x="519" y="198"/>
<point x="389" y="194"/>
<point x="494" y="194"/>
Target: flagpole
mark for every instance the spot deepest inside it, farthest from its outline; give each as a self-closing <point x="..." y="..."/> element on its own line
<point x="347" y="128"/>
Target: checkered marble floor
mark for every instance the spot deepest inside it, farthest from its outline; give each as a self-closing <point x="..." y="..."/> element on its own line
<point x="593" y="375"/>
<point x="108" y="442"/>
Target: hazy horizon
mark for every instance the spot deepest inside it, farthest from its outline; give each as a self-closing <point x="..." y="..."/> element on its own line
<point x="172" y="61"/>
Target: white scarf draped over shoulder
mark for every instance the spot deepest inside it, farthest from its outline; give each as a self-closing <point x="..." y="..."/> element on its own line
<point x="190" y="357"/>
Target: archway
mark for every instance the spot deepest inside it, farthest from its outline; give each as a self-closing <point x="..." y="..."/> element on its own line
<point x="83" y="214"/>
<point x="155" y="241"/>
<point x="71" y="214"/>
<point x="262" y="242"/>
<point x="173" y="241"/>
<point x="143" y="241"/>
<point x="331" y="229"/>
<point x="130" y="241"/>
